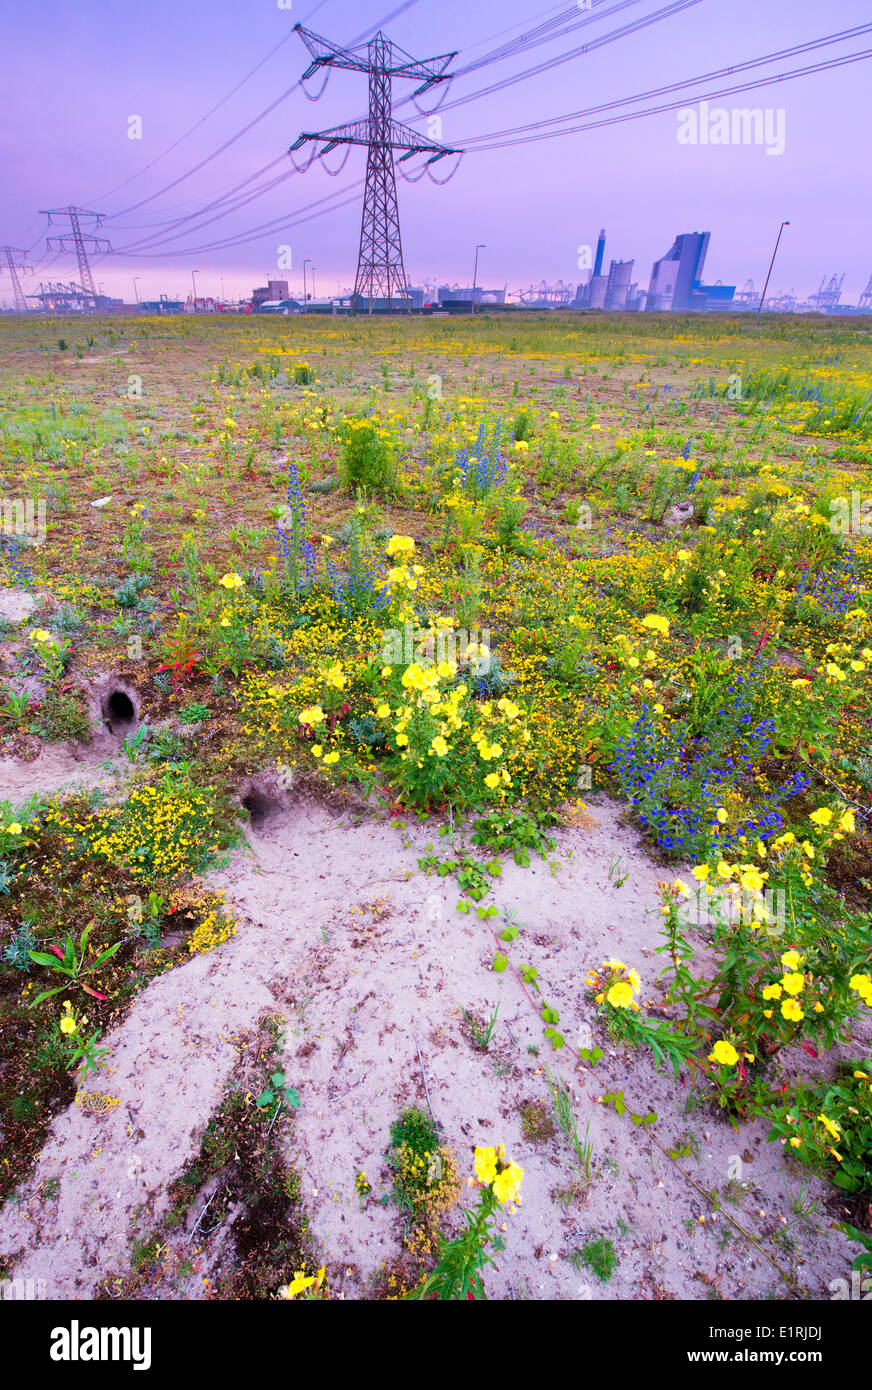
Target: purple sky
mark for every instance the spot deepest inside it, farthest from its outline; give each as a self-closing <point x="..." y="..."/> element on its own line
<point x="73" y="75"/>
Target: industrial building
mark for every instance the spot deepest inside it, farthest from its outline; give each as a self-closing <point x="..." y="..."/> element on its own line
<point x="676" y="279"/>
<point x="273" y="291"/>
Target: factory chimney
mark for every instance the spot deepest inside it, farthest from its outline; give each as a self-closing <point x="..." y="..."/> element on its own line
<point x="600" y="252"/>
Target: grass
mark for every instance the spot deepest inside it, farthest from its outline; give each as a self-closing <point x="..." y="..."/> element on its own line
<point x="180" y="588"/>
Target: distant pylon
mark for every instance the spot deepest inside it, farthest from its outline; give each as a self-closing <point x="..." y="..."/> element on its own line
<point x="10" y="252"/>
<point x="380" y="268"/>
<point x="865" y="301"/>
<point x="78" y="238"/>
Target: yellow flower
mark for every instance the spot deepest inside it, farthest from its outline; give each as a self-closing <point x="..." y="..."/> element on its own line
<point x="822" y="816"/>
<point x="701" y="872"/>
<point x="655" y="622"/>
<point x="317" y="750"/>
<point x="331" y="757"/>
<point x="313" y="715"/>
<point x="383" y="711"/>
<point x="791" y="960"/>
<point x="771" y="991"/>
<point x="297" y="1284"/>
<point x="862" y="984"/>
<point x="40" y="635"/>
<point x="68" y="1024"/>
<point x="751" y="880"/>
<point x="485" y="1164"/>
<point x="231" y="581"/>
<point x="791" y="1011"/>
<point x="846" y="822"/>
<point x="507" y="1184"/>
<point x="830" y="1126"/>
<point x="793" y="983"/>
<point x="400" y="545"/>
<point x="492" y="780"/>
<point x="13" y="829"/>
<point x="620" y="996"/>
<point x="722" y="815"/>
<point x="439" y="746"/>
<point x="724" y="1054"/>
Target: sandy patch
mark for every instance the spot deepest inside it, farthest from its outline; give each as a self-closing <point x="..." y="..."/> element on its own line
<point x="371" y="964"/>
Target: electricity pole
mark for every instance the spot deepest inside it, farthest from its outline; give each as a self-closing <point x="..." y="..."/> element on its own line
<point x="380" y="269"/>
<point x="78" y="238"/>
<point x="480" y="247"/>
<point x="13" y="266"/>
<point x="769" y="272"/>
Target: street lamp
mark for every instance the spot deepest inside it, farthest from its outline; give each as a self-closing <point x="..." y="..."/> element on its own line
<point x="194" y="280"/>
<point x="312" y="268"/>
<point x="480" y="247"/>
<point x="769" y="272"/>
<point x="305" y="296"/>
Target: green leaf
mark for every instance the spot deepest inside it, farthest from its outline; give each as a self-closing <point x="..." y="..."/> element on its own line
<point x="293" y="1098"/>
<point x="43" y="958"/>
<point x="265" y="1098"/>
<point x="500" y="963"/>
<point x="463" y="905"/>
<point x="277" y="1078"/>
<point x="555" y="1038"/>
<point x="549" y="1015"/>
<point x="522" y="857"/>
<point x="510" y="934"/>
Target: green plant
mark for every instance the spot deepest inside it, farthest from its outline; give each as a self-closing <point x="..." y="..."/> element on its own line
<point x="599" y="1257"/>
<point x="194" y="713"/>
<point x="561" y="1099"/>
<point x="17" y="953"/>
<point x="828" y="1127"/>
<point x="366" y="458"/>
<point x="278" y="1094"/>
<point x="460" y="1261"/>
<point x="72" y="963"/>
<point x="481" y="1030"/>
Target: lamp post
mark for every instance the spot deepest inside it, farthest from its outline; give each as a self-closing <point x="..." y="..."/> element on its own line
<point x="135" y="290"/>
<point x="305" y="297"/>
<point x="480" y="247"/>
<point x="769" y="272"/>
<point x="194" y="281"/>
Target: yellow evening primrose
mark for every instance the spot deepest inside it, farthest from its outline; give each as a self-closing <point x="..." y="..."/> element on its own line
<point x="822" y="816"/>
<point x="620" y="996"/>
<point x="231" y="581"/>
<point x="724" y="1054"/>
<point x="485" y="1164"/>
<point x="791" y="1010"/>
<point x="507" y="1184"/>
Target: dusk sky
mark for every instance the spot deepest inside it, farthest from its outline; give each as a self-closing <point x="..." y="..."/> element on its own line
<point x="75" y="74"/>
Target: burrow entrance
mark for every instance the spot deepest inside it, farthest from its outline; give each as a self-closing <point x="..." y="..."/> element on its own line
<point x="120" y="714"/>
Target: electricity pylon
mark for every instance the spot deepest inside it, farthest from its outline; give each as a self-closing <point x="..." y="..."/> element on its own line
<point x="78" y="238"/>
<point x="380" y="269"/>
<point x="13" y="266"/>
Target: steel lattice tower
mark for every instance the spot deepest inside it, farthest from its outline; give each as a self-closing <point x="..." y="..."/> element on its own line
<point x="13" y="266"/>
<point x="380" y="269"/>
<point x="78" y="238"/>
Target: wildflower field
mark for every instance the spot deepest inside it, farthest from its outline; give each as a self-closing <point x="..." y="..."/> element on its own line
<point x="436" y="807"/>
